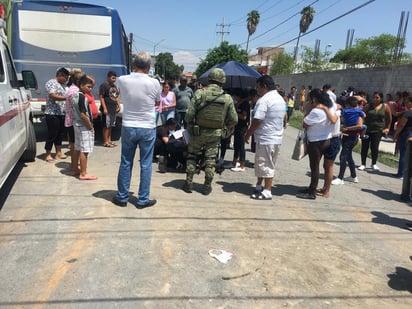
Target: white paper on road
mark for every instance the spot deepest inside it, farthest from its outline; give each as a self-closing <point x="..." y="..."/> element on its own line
<point x="222" y="256"/>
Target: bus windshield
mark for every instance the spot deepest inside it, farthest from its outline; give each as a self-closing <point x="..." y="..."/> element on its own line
<point x="46" y="35"/>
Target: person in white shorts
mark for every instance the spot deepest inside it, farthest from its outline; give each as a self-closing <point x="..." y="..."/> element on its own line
<point x="83" y="126"/>
<point x="267" y="127"/>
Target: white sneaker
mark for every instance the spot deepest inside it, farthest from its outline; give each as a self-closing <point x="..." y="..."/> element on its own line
<point x="237" y="164"/>
<point x="353" y="179"/>
<point x="375" y="167"/>
<point x="361" y="168"/>
<point x="237" y="169"/>
<point x="338" y="181"/>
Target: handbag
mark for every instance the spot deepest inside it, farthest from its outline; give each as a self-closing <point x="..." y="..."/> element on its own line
<point x="300" y="150"/>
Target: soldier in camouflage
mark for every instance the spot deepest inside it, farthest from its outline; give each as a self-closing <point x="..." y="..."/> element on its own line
<point x="206" y="132"/>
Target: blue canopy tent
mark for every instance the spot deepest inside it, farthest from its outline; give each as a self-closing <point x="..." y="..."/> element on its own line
<point x="238" y="75"/>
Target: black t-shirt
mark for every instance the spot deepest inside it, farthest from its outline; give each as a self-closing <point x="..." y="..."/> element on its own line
<point x="241" y="108"/>
<point x="110" y="93"/>
<point x="408" y="126"/>
<point x="162" y="131"/>
<point x="84" y="106"/>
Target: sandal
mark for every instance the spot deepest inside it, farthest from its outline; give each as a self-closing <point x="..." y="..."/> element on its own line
<point x="88" y="177"/>
<point x="108" y="145"/>
<point x="113" y="144"/>
<point x="260" y="196"/>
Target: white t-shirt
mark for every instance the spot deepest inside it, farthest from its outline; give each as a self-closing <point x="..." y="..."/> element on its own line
<point x="320" y="128"/>
<point x="270" y="109"/>
<point x="138" y="94"/>
<point x="336" y="126"/>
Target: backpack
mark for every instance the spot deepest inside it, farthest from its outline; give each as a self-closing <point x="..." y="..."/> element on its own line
<point x="212" y="111"/>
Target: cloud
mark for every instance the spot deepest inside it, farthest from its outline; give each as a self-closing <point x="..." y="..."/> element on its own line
<point x="187" y="59"/>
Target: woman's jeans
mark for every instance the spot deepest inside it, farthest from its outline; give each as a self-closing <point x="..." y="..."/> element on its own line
<point x="131" y="139"/>
<point x="348" y="142"/>
<point x="170" y="113"/>
<point x="315" y="152"/>
<point x="373" y="140"/>
<point x="239" y="144"/>
<point x="403" y="148"/>
<point x="56" y="131"/>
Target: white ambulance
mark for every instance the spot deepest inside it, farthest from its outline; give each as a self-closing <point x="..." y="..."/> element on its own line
<point x="17" y="136"/>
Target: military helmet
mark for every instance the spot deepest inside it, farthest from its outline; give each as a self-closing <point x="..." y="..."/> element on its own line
<point x="217" y="75"/>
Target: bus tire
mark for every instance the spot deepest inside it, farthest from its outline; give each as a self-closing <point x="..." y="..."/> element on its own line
<point x="29" y="155"/>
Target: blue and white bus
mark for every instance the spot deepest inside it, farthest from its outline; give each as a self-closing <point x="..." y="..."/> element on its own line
<point x="46" y="35"/>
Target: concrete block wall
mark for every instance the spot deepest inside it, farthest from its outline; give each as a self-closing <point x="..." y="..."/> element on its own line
<point x="382" y="79"/>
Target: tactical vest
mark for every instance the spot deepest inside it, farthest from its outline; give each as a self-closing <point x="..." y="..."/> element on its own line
<point x="212" y="111"/>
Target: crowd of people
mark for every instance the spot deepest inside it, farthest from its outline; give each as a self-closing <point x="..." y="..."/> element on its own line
<point x="188" y="126"/>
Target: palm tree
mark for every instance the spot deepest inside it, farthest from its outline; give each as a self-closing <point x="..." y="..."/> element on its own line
<point x="252" y="21"/>
<point x="307" y="17"/>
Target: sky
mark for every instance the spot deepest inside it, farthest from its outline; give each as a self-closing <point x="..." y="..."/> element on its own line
<point x="189" y="29"/>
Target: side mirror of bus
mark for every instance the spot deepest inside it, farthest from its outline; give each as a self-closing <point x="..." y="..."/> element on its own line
<point x="29" y="80"/>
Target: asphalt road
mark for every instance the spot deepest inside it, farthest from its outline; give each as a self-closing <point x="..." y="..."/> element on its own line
<point x="63" y="243"/>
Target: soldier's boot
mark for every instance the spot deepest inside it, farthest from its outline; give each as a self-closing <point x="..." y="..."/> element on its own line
<point x="162" y="164"/>
<point x="207" y="187"/>
<point x="188" y="184"/>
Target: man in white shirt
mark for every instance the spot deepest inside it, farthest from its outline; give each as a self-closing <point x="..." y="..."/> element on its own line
<point x="267" y="127"/>
<point x="139" y="93"/>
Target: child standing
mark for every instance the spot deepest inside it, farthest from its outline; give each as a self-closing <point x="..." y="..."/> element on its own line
<point x="351" y="114"/>
<point x="353" y="127"/>
<point x="110" y="105"/>
<point x="83" y="126"/>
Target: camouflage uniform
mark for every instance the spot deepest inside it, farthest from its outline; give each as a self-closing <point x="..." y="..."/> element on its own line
<point x="208" y="138"/>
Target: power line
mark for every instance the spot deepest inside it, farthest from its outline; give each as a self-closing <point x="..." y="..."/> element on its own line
<point x="327" y="23"/>
<point x="293" y="28"/>
<point x="281" y="23"/>
<point x="243" y="18"/>
<point x="222" y="26"/>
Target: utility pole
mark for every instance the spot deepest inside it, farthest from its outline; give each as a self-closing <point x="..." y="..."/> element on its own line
<point x="222" y="26"/>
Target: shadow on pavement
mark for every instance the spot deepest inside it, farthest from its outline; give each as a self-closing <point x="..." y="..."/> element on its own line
<point x="401" y="279"/>
<point x="382" y="218"/>
<point x="238" y="187"/>
<point x="178" y="184"/>
<point x="109" y="194"/>
<point x="384" y="194"/>
<point x="9" y="183"/>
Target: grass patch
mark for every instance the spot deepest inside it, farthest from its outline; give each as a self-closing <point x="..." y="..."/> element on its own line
<point x="383" y="157"/>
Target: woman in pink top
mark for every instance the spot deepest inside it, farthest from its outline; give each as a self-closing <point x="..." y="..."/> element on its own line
<point x="167" y="103"/>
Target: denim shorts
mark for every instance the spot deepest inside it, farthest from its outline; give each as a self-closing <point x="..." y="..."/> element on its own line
<point x="333" y="150"/>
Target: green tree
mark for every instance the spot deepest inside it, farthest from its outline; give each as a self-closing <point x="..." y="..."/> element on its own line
<point x="306" y="19"/>
<point x="165" y="66"/>
<point x="314" y="62"/>
<point x="372" y="52"/>
<point x="282" y="64"/>
<point x="253" y="19"/>
<point x="222" y="53"/>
